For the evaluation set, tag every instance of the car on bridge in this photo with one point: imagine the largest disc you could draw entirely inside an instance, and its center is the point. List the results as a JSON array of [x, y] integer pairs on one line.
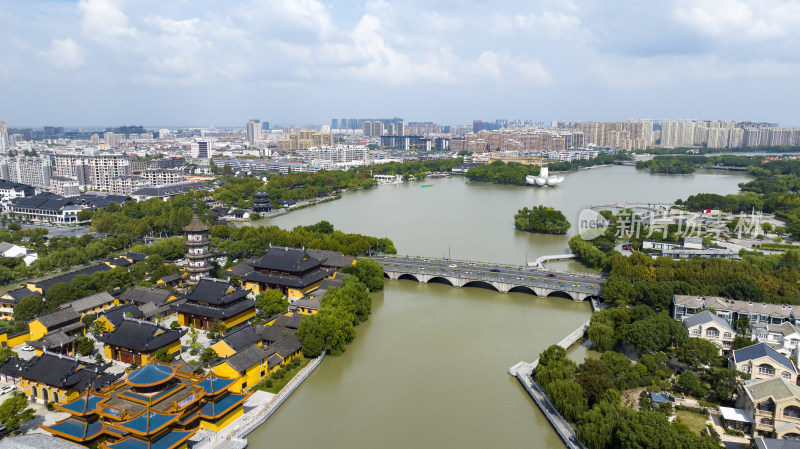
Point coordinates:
[[551, 275], [452, 265], [494, 270]]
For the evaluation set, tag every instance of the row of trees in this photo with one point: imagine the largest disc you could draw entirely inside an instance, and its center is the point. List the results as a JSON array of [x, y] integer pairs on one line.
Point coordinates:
[[541, 219], [333, 328], [686, 164], [499, 172], [246, 241]]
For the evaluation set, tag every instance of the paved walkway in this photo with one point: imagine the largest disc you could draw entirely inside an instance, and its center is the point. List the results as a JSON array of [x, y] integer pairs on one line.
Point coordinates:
[[558, 422]]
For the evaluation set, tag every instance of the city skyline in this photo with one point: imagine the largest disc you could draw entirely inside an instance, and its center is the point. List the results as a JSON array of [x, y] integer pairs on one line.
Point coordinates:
[[95, 62]]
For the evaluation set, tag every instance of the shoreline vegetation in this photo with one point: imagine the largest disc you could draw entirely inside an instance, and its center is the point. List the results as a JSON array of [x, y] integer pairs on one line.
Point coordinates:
[[514, 173]]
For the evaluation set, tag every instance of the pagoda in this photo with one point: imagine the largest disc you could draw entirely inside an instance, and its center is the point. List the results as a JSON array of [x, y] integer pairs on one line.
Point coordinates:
[[198, 257], [261, 202]]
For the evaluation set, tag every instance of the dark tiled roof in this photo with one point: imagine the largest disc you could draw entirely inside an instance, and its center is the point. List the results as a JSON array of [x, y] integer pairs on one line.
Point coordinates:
[[291, 322], [50, 369], [141, 295], [289, 281], [705, 317], [241, 338], [116, 315], [193, 308], [170, 278], [273, 361], [18, 294], [286, 347], [211, 290], [42, 203], [196, 225], [331, 258], [47, 283], [244, 359], [762, 350], [136, 257], [141, 336], [58, 317], [281, 258], [90, 302], [273, 333]]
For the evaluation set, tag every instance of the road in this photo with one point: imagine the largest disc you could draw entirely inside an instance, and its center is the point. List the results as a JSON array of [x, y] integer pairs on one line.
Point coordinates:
[[494, 272]]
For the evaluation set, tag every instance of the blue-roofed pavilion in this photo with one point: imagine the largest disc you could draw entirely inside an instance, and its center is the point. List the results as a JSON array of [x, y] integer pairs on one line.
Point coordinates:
[[213, 385], [213, 410], [84, 404], [148, 422], [151, 375], [76, 429], [169, 440]]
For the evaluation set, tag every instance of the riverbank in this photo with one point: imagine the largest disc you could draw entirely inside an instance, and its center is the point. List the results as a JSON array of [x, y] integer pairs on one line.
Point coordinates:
[[262, 405]]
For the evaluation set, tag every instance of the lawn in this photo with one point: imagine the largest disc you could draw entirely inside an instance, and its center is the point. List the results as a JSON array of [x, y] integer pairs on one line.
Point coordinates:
[[277, 385], [694, 420]]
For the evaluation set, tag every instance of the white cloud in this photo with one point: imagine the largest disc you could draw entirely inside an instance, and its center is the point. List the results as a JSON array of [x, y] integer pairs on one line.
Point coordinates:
[[104, 21], [64, 54], [737, 20], [549, 25]]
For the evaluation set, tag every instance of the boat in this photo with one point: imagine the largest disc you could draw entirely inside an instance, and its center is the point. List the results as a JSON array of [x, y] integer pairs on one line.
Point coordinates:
[[428, 185], [544, 179]]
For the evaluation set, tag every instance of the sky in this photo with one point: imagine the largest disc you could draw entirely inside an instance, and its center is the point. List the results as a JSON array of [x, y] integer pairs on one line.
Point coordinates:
[[293, 62]]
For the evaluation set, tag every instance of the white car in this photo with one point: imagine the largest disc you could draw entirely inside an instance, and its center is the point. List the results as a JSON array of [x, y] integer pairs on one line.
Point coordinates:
[[452, 265], [27, 348], [6, 389]]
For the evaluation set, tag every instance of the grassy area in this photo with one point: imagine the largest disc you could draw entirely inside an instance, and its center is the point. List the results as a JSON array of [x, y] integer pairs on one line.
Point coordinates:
[[694, 420], [273, 384]]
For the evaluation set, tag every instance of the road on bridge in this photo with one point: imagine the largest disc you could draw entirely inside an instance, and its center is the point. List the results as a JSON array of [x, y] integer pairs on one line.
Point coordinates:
[[501, 273]]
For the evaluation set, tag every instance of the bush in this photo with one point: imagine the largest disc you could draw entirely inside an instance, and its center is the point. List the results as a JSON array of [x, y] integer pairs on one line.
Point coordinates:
[[174, 325], [49, 406], [268, 383]]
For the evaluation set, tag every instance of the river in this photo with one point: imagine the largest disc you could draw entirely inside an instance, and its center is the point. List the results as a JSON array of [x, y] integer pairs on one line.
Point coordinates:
[[430, 367]]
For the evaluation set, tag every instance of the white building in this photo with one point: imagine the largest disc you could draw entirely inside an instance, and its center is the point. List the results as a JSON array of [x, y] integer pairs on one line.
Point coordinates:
[[34, 171]]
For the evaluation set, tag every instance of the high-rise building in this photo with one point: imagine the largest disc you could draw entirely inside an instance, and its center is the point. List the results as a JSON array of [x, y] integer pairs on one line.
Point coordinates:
[[202, 150], [477, 125], [32, 170], [367, 128], [377, 129], [400, 129], [97, 171], [253, 131], [3, 137]]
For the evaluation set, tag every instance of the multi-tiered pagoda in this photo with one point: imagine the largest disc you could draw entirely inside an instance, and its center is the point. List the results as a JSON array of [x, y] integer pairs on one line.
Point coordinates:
[[198, 257]]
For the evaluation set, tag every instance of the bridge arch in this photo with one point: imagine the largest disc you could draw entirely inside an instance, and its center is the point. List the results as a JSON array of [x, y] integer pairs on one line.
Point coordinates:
[[561, 294], [408, 276], [440, 280], [481, 284], [523, 289], [386, 275]]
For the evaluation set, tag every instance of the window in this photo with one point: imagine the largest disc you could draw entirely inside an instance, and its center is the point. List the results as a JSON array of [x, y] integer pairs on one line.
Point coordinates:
[[766, 370], [695, 331], [791, 412], [766, 421], [767, 406], [727, 344], [746, 369], [727, 335], [244, 385], [712, 332], [786, 375]]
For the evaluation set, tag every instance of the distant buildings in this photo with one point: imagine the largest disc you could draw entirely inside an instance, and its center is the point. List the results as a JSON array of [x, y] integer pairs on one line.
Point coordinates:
[[253, 132], [303, 139], [35, 171]]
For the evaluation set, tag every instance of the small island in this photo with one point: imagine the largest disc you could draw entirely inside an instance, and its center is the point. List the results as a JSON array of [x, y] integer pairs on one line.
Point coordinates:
[[541, 219]]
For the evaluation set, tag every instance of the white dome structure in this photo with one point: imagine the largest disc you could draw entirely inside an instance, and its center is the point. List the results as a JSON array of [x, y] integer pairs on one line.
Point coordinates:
[[544, 179]]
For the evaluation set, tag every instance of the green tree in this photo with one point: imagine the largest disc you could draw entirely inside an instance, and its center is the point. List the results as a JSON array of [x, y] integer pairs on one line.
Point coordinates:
[[88, 319], [272, 302], [723, 381], [541, 219], [28, 308], [689, 383], [163, 356], [602, 336], [369, 272], [14, 411], [6, 353], [698, 352], [60, 293], [567, 397], [208, 356], [84, 345], [655, 333]]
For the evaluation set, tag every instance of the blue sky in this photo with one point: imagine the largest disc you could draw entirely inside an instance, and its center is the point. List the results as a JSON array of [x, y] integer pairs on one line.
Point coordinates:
[[198, 62]]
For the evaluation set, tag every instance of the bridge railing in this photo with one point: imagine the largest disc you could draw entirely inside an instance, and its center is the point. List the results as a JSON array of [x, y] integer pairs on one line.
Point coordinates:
[[521, 268]]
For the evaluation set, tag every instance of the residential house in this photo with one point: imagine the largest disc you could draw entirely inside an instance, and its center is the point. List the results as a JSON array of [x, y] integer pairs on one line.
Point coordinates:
[[709, 326], [65, 320], [114, 316], [784, 337], [732, 310], [287, 349], [762, 362], [92, 304], [12, 250], [774, 405]]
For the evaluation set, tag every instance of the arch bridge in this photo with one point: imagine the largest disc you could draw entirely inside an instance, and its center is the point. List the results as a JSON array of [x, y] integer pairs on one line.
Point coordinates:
[[498, 277]]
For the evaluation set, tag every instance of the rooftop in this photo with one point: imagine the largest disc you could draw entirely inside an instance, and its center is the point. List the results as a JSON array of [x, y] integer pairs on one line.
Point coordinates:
[[759, 350]]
